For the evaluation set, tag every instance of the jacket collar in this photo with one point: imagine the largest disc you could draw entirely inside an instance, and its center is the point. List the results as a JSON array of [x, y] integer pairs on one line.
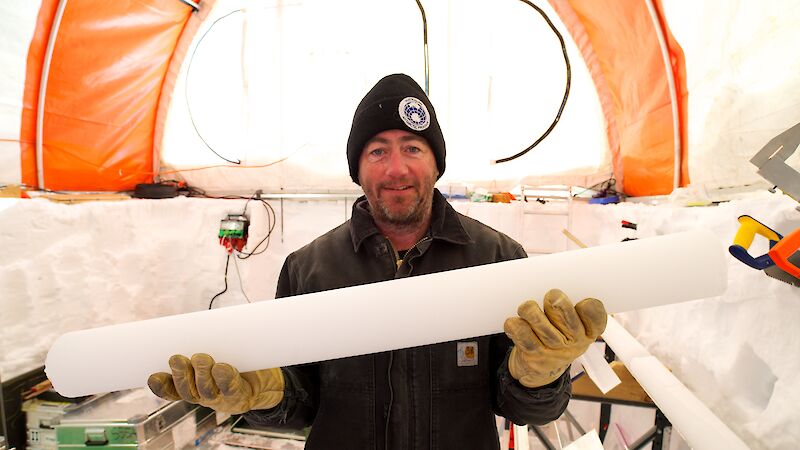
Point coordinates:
[[445, 223]]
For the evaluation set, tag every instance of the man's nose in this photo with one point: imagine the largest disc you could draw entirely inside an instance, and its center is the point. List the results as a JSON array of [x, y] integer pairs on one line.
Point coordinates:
[[396, 164]]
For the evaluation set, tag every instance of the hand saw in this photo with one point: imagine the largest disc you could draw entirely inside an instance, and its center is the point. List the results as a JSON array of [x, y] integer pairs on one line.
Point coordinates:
[[782, 260]]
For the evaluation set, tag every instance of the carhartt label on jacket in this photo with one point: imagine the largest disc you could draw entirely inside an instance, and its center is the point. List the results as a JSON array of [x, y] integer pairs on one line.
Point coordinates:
[[467, 354]]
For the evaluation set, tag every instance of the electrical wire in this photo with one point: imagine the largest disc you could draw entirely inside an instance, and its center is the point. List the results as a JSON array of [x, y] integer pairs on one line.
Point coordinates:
[[239, 276], [566, 90], [227, 261], [425, 47], [253, 166], [257, 166], [271, 221], [195, 7], [606, 187], [186, 87]]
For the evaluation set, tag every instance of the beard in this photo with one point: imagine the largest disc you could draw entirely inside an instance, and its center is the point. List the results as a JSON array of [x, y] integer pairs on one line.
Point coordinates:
[[396, 213], [403, 211]]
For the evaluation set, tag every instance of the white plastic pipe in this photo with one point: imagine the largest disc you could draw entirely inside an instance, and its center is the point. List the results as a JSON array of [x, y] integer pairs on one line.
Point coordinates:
[[701, 429], [390, 315]]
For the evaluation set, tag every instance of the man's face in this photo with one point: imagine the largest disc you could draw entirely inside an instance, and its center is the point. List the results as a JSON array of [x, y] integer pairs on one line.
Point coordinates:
[[397, 171]]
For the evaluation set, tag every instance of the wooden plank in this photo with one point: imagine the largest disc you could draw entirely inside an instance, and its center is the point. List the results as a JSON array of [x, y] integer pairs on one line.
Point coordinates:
[[80, 198], [10, 191], [628, 390]]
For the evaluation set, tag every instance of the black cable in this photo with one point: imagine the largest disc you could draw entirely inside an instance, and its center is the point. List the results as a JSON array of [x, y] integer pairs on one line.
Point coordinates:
[[425, 46], [227, 261], [606, 186], [566, 90], [194, 192], [271, 221], [271, 216], [195, 7], [186, 87], [197, 192], [191, 191]]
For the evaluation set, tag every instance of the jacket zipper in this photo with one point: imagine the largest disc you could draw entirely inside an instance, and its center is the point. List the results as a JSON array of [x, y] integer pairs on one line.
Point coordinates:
[[399, 261]]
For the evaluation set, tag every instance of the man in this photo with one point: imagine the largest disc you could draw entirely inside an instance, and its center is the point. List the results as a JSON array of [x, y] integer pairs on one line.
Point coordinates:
[[441, 396]]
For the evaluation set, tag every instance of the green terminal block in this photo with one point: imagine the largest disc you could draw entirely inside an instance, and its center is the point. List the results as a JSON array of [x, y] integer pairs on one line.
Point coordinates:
[[234, 226]]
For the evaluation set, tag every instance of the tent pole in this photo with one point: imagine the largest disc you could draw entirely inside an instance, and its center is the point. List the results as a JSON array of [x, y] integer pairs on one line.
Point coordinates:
[[425, 47], [48, 57], [673, 96], [195, 6]]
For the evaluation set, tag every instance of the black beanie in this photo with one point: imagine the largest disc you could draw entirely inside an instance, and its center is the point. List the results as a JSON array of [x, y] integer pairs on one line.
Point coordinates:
[[396, 102]]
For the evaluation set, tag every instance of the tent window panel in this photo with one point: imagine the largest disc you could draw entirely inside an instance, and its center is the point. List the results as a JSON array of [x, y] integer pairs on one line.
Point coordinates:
[[271, 82], [282, 79], [507, 79]]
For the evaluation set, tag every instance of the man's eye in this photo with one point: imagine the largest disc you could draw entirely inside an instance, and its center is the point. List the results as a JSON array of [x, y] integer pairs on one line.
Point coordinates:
[[413, 149], [377, 152]]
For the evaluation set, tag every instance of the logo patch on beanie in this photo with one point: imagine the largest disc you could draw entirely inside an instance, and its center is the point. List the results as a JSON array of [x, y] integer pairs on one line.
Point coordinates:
[[414, 114]]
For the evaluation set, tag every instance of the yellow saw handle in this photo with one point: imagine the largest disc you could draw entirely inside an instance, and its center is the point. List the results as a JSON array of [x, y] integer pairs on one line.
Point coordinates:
[[748, 228]]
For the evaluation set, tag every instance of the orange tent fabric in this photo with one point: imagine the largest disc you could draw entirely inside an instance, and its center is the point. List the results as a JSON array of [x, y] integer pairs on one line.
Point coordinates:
[[110, 65], [105, 79], [32, 79], [620, 44]]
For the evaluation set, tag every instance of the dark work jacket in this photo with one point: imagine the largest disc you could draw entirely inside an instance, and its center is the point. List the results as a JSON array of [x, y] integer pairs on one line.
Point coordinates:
[[416, 398]]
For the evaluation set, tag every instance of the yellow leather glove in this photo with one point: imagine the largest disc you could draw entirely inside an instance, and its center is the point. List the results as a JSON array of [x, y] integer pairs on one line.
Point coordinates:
[[546, 343], [218, 385]]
